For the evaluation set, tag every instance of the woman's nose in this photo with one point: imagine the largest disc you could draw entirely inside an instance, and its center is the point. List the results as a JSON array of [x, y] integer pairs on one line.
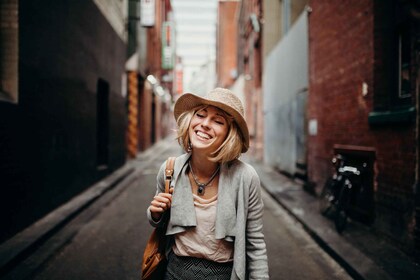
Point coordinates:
[[205, 122]]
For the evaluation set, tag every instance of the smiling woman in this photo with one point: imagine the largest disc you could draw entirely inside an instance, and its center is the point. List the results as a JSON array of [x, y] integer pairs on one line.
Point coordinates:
[[208, 129], [215, 222]]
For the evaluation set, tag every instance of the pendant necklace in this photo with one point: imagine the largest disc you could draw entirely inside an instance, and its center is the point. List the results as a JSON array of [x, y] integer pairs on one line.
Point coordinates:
[[202, 186]]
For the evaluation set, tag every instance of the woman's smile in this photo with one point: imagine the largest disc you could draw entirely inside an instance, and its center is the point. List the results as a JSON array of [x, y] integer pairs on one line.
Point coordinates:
[[203, 135]]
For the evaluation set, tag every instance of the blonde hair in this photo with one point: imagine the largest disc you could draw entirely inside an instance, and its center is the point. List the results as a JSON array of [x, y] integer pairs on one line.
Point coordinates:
[[229, 150]]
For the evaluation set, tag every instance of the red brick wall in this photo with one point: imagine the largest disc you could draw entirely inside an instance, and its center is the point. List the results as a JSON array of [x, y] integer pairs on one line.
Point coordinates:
[[250, 65], [340, 59], [226, 43], [342, 56], [158, 119], [145, 115]]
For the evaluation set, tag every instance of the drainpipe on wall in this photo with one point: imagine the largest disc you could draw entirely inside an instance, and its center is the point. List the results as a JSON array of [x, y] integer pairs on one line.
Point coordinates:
[[417, 183]]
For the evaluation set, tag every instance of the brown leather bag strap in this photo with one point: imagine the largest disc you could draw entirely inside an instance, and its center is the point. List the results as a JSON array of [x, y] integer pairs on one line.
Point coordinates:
[[169, 171]]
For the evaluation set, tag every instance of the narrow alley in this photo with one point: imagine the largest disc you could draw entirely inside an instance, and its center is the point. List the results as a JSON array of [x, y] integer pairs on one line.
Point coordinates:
[[107, 239], [324, 99]]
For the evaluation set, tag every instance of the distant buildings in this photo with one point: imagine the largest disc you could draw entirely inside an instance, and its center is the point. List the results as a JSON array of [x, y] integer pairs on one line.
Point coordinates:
[[195, 32]]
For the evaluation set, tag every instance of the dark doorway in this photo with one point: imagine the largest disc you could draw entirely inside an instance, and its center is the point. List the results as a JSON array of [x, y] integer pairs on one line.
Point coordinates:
[[362, 204], [102, 123]]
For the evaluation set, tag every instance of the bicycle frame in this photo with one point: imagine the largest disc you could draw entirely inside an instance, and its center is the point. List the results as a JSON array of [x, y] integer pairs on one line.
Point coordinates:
[[338, 190]]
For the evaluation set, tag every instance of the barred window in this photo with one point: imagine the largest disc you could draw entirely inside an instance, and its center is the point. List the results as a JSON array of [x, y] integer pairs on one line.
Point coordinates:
[[404, 62], [395, 67]]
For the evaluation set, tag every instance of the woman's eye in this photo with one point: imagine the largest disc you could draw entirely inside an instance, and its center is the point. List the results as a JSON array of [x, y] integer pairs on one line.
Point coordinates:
[[220, 122], [200, 115]]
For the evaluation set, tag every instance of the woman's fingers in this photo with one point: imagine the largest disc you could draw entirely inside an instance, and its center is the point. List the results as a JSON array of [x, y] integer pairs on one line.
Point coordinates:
[[161, 202], [158, 204], [164, 197]]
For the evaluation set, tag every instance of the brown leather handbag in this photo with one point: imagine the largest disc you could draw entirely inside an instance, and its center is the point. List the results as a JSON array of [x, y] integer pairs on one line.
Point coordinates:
[[154, 261]]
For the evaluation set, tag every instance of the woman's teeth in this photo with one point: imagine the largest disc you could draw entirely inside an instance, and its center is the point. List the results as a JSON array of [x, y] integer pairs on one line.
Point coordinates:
[[203, 135]]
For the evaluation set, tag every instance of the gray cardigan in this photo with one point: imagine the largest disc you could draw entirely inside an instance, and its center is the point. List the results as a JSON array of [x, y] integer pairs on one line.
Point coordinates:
[[238, 218]]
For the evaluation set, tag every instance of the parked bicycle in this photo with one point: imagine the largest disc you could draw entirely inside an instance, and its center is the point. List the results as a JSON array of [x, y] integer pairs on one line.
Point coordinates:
[[340, 190]]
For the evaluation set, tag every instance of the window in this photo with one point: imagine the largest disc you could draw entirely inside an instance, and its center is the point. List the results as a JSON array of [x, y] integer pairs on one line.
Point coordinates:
[[404, 62], [395, 68], [9, 51]]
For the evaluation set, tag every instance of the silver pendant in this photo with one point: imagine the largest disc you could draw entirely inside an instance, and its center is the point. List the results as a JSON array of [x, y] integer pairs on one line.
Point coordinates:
[[200, 189]]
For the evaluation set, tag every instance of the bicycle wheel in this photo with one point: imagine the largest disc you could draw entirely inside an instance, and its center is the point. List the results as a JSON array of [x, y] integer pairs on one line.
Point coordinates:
[[340, 216], [340, 220], [327, 197]]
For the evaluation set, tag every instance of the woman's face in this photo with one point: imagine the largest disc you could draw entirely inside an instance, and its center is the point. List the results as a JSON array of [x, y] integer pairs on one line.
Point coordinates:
[[208, 129]]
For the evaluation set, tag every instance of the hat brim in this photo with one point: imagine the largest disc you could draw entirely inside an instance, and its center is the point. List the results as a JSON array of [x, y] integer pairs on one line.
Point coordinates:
[[189, 101]]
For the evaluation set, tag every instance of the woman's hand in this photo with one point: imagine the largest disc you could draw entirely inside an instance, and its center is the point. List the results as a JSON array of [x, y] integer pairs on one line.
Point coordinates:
[[160, 203]]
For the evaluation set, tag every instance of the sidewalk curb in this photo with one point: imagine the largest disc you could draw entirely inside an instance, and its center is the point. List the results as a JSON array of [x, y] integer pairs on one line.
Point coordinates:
[[358, 265], [24, 243]]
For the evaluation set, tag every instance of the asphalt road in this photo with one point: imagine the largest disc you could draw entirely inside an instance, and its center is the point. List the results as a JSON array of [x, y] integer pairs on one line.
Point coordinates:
[[111, 234]]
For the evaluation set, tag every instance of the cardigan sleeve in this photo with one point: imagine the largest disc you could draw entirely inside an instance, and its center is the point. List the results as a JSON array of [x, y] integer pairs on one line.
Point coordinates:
[[256, 252], [160, 187]]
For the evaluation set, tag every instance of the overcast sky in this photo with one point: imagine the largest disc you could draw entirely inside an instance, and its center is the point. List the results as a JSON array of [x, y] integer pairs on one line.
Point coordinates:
[[196, 32]]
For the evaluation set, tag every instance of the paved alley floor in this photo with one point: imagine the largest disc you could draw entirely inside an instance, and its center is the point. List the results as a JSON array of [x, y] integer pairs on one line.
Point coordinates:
[[107, 239]]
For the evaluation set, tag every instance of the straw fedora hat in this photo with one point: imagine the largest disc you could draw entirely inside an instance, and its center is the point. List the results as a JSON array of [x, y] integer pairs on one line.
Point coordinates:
[[221, 98]]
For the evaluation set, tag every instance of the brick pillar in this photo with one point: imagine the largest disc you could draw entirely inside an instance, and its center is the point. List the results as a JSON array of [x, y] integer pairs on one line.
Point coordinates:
[[132, 130]]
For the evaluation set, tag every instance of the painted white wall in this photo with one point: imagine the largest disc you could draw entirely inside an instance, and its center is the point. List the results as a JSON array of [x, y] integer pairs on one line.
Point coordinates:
[[285, 83], [204, 79]]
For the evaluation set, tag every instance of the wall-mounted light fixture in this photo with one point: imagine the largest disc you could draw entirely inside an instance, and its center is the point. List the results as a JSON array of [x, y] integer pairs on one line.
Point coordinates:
[[151, 79], [255, 23]]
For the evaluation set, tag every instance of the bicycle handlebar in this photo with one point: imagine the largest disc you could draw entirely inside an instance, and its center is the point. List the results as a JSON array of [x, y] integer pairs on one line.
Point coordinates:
[[350, 169]]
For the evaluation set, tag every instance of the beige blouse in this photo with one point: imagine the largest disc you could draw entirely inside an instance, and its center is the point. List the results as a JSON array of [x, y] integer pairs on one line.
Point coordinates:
[[200, 241]]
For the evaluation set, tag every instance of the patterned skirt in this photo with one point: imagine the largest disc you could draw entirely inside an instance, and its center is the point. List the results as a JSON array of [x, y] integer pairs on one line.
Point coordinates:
[[189, 268]]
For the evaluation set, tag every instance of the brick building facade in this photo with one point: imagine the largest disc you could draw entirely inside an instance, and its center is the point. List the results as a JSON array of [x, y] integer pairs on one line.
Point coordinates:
[[250, 66], [62, 128], [151, 119], [363, 106], [227, 26]]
